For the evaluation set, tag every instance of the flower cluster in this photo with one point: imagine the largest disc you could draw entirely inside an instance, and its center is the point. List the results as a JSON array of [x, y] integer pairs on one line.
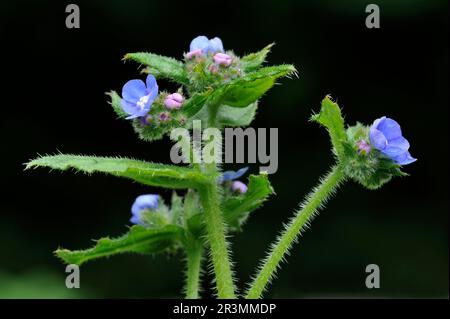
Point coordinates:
[[139, 99], [208, 63]]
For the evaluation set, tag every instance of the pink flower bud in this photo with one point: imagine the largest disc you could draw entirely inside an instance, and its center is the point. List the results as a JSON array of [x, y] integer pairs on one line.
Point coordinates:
[[238, 187], [146, 120], [363, 147], [195, 53], [223, 59], [164, 116], [174, 101], [213, 69]]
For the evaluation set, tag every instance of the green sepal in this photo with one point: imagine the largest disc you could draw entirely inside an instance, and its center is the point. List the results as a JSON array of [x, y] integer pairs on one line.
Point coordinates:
[[152, 174], [253, 61], [237, 208], [115, 103], [331, 118], [160, 66], [137, 240]]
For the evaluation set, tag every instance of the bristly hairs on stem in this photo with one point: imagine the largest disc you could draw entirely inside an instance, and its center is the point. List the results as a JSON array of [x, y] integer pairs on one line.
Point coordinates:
[[309, 208]]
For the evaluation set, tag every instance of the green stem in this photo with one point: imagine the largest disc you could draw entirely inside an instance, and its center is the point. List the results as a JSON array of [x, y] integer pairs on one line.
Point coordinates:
[[215, 228], [284, 242], [194, 250]]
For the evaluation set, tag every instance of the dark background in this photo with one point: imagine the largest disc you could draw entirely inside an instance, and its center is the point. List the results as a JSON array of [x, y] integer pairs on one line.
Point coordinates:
[[53, 99]]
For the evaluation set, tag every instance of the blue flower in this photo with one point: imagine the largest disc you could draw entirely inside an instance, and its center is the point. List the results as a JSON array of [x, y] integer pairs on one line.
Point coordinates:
[[232, 175], [138, 97], [141, 204], [386, 136], [201, 45]]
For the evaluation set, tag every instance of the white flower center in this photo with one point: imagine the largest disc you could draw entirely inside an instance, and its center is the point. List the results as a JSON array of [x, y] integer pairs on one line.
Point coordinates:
[[143, 101]]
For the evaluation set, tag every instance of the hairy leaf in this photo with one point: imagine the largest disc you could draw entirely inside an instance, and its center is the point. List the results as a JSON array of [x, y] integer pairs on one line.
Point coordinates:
[[253, 61], [330, 117], [143, 172], [228, 116], [236, 116], [160, 66], [137, 240], [245, 90], [237, 208]]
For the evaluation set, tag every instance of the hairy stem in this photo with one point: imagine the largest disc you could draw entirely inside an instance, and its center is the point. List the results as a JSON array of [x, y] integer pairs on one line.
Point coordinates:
[[280, 248], [215, 228], [194, 251]]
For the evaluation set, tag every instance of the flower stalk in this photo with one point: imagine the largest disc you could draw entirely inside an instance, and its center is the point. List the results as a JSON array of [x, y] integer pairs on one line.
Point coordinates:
[[308, 210], [194, 251]]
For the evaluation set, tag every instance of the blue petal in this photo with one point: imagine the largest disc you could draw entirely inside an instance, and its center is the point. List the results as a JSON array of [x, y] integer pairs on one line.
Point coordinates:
[[215, 45], [128, 107], [139, 113], [396, 147], [133, 90], [232, 175], [152, 88], [136, 220], [404, 159], [149, 201], [378, 121], [390, 128], [201, 42], [377, 139]]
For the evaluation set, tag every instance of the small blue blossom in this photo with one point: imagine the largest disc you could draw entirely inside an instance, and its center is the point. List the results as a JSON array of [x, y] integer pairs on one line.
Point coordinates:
[[138, 97], [141, 204], [386, 136], [201, 45], [232, 175]]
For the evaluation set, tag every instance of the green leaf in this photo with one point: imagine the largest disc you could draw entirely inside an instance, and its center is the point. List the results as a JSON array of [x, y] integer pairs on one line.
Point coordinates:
[[137, 240], [115, 103], [237, 208], [195, 103], [160, 66], [248, 89], [143, 172], [330, 117], [236, 116], [228, 116], [253, 61]]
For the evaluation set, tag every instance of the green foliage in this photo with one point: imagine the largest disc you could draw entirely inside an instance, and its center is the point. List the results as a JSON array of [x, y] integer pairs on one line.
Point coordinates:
[[237, 208], [137, 240], [247, 89], [228, 116], [330, 117], [253, 61], [160, 66], [152, 174], [115, 103]]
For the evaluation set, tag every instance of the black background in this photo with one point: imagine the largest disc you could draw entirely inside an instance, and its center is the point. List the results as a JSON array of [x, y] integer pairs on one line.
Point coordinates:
[[53, 99]]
